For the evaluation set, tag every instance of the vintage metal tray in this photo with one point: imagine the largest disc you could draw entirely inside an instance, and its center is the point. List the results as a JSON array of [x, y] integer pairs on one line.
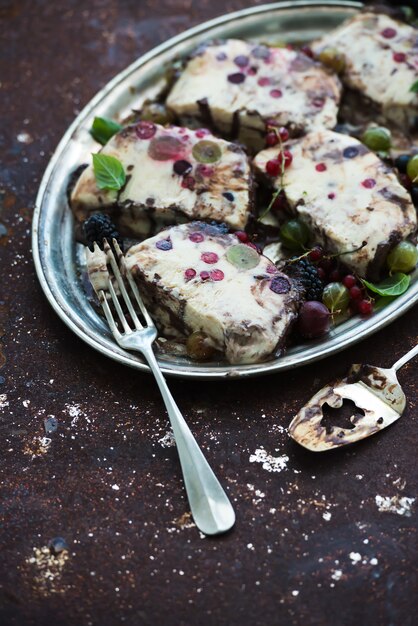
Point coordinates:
[[59, 261]]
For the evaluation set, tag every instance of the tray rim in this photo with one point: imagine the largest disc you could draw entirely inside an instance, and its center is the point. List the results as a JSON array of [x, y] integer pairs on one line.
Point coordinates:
[[368, 327]]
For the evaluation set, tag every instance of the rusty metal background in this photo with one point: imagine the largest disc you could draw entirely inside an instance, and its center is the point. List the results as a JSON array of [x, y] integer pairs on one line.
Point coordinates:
[[327, 539]]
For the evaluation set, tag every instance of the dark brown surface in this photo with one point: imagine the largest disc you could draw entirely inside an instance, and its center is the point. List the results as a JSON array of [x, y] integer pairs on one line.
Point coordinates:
[[310, 545]]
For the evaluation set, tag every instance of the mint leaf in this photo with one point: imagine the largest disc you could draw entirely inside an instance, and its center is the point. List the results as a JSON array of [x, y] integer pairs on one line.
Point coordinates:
[[382, 302], [109, 172], [414, 87], [392, 286], [103, 129]]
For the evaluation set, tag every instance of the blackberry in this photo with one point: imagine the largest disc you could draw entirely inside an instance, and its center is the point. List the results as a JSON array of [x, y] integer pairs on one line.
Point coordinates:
[[307, 274], [98, 227]]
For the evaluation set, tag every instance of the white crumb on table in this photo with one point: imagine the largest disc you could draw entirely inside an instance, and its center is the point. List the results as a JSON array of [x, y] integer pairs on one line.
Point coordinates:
[[395, 504], [269, 463]]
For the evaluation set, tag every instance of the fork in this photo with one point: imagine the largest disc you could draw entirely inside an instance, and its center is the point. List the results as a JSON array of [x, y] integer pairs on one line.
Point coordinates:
[[209, 504]]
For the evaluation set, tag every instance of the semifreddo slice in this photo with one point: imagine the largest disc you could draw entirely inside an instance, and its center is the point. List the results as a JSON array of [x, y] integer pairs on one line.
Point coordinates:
[[240, 88], [197, 277], [350, 200], [381, 63], [173, 175]]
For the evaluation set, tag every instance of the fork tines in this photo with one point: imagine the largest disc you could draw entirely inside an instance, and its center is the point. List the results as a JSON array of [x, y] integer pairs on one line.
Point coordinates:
[[120, 271]]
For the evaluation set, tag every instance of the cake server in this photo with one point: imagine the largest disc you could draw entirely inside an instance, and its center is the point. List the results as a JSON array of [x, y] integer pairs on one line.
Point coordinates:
[[374, 396], [211, 509]]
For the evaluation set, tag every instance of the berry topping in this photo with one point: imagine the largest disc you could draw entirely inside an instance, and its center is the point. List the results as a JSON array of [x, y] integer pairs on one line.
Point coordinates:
[[365, 307], [145, 130], [369, 183], [241, 60], [399, 57], [307, 50], [243, 256], [280, 284], [313, 319], [202, 132], [252, 71], [242, 236], [401, 162], [99, 227], [228, 196], [263, 81], [206, 151], [216, 275], [188, 182], [189, 274], [196, 237], [287, 156], [276, 93], [349, 281], [335, 275], [320, 167], [336, 297], [283, 133], [271, 269], [273, 168], [331, 195], [261, 52], [378, 138], [237, 78], [271, 139], [205, 275], [209, 257], [350, 152], [164, 244], [307, 275], [388, 33], [221, 56], [318, 102], [182, 167], [403, 257], [294, 234], [165, 148], [203, 171], [316, 253], [355, 292]]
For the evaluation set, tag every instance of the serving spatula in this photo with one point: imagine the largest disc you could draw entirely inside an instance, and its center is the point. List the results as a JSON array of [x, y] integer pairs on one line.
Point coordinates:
[[375, 396]]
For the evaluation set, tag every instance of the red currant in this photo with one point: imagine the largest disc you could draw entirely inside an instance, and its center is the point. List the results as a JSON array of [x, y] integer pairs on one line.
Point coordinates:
[[335, 276], [273, 167], [316, 253], [283, 133], [242, 236], [271, 139], [365, 307], [349, 281], [321, 273], [355, 293], [287, 156]]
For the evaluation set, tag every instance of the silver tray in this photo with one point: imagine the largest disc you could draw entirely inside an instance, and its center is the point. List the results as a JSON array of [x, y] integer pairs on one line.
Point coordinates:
[[59, 261]]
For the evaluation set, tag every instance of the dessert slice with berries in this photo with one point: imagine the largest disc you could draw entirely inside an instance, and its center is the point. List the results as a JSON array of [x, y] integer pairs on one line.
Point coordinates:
[[200, 281], [351, 202], [380, 63], [239, 89], [168, 175]]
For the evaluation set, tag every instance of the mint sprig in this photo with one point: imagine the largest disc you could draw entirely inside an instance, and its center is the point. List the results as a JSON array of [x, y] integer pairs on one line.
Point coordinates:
[[103, 129], [394, 285], [109, 172], [414, 87]]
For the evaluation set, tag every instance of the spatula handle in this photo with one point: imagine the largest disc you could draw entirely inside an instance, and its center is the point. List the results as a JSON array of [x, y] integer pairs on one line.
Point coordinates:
[[406, 357]]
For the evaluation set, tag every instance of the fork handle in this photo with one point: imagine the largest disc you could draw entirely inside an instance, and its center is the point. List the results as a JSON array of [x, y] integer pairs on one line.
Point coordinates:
[[209, 504], [405, 358]]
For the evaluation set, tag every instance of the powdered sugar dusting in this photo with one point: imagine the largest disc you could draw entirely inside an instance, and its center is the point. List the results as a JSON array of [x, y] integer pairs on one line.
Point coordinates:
[[395, 504], [168, 440], [269, 463]]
